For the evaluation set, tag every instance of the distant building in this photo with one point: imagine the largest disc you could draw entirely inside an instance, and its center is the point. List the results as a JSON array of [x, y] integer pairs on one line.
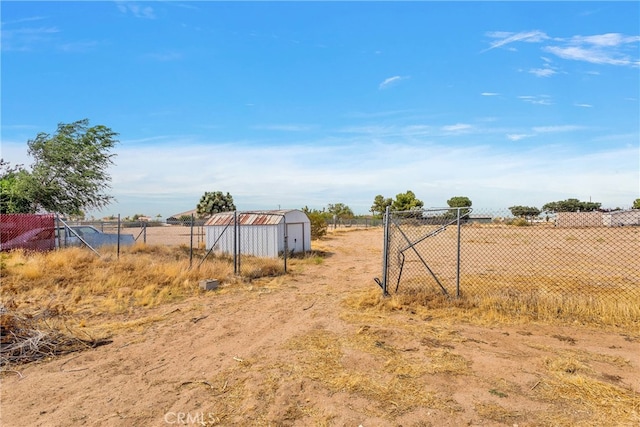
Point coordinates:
[[179, 218], [598, 219], [620, 218]]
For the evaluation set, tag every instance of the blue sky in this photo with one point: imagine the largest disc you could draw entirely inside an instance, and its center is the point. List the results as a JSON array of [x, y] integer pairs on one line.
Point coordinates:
[[287, 104]]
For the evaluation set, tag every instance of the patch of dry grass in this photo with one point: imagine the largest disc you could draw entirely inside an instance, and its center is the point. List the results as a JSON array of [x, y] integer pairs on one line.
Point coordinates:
[[516, 306], [392, 380], [88, 285], [602, 403]]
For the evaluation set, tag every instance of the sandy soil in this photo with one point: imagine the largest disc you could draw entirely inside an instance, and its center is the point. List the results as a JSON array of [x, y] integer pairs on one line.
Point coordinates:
[[290, 351]]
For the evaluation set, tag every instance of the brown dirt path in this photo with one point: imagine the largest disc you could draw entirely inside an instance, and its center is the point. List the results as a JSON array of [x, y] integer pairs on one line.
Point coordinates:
[[290, 351]]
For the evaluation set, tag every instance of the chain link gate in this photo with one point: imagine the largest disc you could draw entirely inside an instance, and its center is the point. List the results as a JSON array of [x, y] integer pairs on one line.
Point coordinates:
[[422, 250], [540, 262]]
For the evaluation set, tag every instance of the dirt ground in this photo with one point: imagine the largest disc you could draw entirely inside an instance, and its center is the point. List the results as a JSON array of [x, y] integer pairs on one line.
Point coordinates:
[[297, 351]]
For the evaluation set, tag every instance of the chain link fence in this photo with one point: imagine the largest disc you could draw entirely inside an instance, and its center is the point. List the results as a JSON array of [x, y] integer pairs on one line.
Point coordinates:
[[469, 252], [257, 243]]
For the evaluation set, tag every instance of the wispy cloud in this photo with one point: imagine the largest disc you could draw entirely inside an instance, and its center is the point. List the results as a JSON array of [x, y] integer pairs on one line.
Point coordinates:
[[504, 38], [21, 20], [136, 10], [489, 94], [543, 72], [264, 177], [76, 47], [609, 48], [536, 100], [593, 54], [560, 128], [26, 39], [517, 136], [391, 81], [457, 128], [583, 105]]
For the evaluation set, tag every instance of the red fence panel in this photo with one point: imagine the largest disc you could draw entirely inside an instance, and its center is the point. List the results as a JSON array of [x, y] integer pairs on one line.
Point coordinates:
[[27, 231]]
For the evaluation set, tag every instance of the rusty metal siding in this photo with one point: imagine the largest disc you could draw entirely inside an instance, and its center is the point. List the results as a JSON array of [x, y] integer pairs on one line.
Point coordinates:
[[260, 233]]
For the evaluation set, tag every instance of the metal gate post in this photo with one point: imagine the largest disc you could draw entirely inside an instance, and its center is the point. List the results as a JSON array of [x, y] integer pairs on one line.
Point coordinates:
[[190, 241], [286, 243], [235, 243], [118, 253], [385, 253], [458, 258]]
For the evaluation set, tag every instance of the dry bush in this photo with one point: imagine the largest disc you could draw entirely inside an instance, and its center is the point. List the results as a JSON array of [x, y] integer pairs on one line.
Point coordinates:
[[27, 338]]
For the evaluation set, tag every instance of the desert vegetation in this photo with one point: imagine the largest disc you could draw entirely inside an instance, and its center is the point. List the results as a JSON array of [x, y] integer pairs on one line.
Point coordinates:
[[317, 346]]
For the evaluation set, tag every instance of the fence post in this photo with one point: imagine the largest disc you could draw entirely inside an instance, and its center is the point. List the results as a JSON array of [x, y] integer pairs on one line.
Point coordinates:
[[118, 252], [458, 257], [385, 250], [286, 245], [56, 234], [235, 242], [191, 242]]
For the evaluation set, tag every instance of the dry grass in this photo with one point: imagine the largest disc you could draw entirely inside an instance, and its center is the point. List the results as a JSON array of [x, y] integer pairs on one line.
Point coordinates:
[[92, 289], [600, 403], [571, 382], [105, 289], [396, 383], [520, 305]]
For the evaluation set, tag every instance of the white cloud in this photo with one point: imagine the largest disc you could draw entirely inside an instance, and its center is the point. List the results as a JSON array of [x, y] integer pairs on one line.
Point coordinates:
[[542, 72], [26, 39], [391, 80], [605, 40], [136, 10], [457, 128], [489, 94], [505, 38], [610, 48], [583, 105], [315, 174], [560, 128], [517, 136], [536, 100], [594, 56]]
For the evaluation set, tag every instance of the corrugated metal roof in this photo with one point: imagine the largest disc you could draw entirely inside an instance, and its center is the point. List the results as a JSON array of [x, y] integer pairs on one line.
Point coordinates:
[[248, 218]]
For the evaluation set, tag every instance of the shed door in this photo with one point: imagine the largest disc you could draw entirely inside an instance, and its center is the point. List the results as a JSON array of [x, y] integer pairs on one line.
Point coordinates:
[[295, 237]]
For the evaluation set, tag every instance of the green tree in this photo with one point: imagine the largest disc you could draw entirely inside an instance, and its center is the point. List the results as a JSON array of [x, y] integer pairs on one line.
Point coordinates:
[[213, 202], [571, 205], [527, 212], [636, 204], [460, 202], [69, 173], [406, 202], [318, 221], [340, 210], [380, 204], [13, 198]]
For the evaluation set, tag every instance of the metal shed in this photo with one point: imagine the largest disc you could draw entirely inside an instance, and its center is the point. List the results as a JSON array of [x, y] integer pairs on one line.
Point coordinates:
[[259, 233]]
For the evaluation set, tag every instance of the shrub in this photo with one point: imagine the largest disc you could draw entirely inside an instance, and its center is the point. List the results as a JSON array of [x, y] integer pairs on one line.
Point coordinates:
[[318, 225]]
